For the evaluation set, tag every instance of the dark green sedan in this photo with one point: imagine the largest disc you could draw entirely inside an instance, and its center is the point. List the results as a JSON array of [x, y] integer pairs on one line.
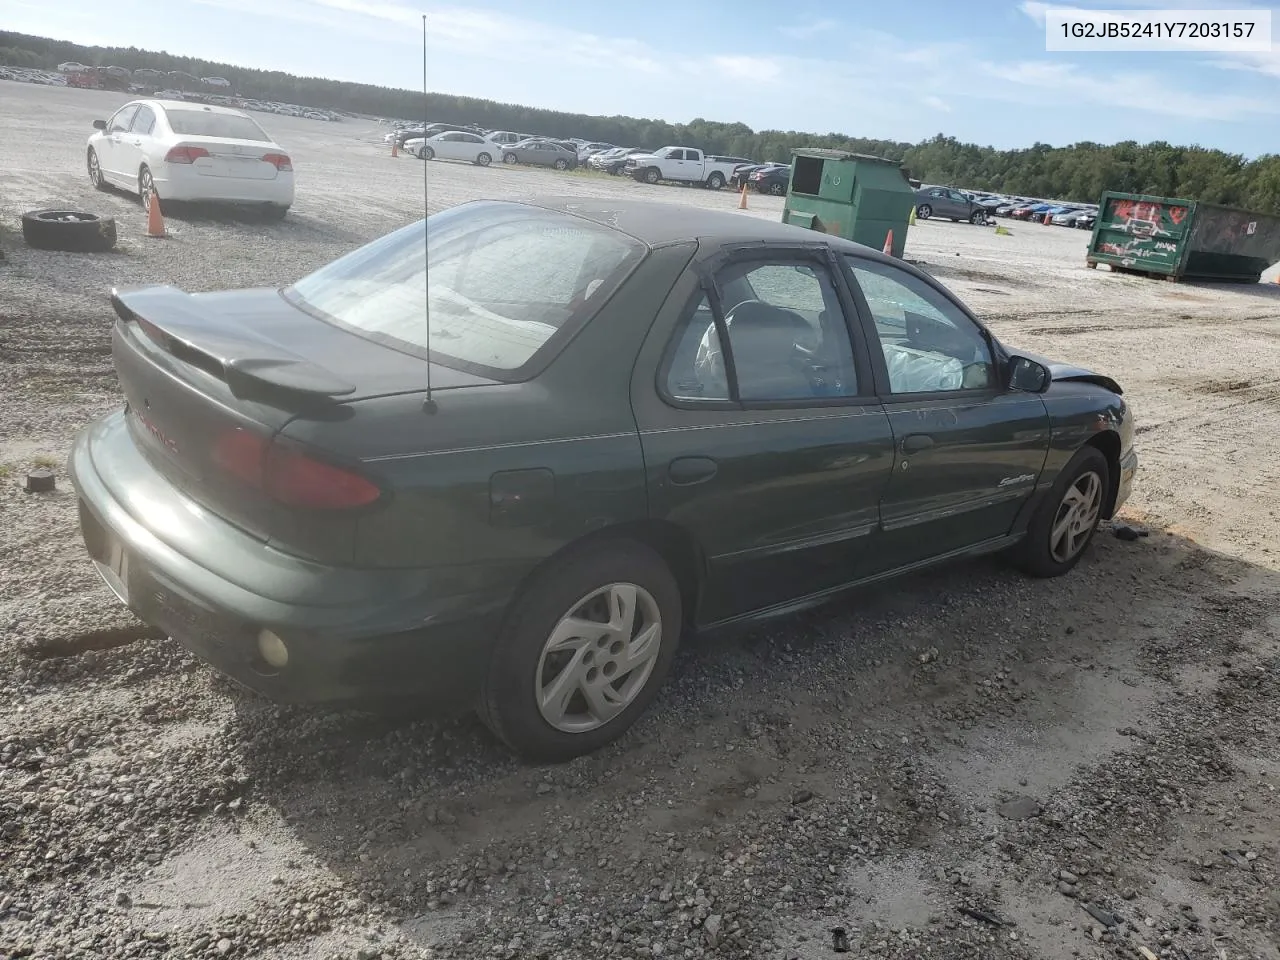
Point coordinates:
[[598, 427]]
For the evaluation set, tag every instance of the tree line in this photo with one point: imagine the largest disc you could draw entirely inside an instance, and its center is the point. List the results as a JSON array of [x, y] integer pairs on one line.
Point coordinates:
[[1079, 172]]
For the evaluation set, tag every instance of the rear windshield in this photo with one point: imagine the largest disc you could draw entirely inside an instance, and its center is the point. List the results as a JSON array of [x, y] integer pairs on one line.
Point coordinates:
[[201, 123], [504, 280]]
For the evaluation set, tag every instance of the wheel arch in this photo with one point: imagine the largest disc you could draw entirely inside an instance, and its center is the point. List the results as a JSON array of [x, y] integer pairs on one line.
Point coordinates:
[[675, 545], [1108, 442]]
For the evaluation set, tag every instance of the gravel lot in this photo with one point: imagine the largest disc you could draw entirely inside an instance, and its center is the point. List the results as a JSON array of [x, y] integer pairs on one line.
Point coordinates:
[[1088, 766]]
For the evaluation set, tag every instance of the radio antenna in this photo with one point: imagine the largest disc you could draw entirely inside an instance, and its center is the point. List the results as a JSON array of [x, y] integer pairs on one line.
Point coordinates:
[[428, 405]]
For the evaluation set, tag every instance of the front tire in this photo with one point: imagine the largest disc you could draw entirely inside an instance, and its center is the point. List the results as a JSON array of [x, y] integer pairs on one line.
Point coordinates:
[[1066, 521], [426, 153], [509, 159], [583, 652], [484, 159], [924, 211], [978, 218], [652, 175], [95, 170], [777, 189], [562, 164]]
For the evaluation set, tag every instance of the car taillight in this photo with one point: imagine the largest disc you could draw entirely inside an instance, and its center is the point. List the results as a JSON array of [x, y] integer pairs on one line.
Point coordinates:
[[185, 154], [288, 475], [279, 161]]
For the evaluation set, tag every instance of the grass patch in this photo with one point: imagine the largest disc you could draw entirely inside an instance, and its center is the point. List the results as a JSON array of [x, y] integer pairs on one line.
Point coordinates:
[[6, 471], [46, 461]]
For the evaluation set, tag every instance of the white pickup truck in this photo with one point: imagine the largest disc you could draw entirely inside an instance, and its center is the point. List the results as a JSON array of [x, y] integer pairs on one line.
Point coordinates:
[[684, 165]]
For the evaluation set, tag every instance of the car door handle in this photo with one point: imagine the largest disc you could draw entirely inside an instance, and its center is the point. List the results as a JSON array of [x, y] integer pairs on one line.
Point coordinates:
[[686, 470], [915, 442]]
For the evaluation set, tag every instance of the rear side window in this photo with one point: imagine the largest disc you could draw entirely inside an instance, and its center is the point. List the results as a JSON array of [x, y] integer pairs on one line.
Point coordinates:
[[145, 121], [507, 283], [203, 123]]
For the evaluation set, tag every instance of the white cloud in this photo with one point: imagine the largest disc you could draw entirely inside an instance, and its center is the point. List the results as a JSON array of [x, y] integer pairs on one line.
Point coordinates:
[[748, 68], [936, 103], [807, 31]]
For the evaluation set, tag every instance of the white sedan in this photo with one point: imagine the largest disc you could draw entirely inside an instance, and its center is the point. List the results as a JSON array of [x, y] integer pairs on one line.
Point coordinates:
[[190, 151], [456, 145]]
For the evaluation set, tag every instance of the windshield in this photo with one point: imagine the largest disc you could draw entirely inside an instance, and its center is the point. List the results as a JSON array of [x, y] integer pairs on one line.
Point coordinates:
[[202, 123], [504, 279]]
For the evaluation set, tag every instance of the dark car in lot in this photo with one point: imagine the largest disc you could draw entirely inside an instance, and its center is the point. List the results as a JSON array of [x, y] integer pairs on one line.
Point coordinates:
[[934, 201], [597, 428], [771, 179], [542, 153]]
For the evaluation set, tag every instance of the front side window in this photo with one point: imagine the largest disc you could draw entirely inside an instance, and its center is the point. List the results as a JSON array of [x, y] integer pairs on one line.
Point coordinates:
[[504, 279], [928, 343], [206, 123], [123, 117], [787, 338]]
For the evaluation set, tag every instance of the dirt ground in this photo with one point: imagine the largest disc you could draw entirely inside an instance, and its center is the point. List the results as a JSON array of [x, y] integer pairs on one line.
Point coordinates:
[[967, 765]]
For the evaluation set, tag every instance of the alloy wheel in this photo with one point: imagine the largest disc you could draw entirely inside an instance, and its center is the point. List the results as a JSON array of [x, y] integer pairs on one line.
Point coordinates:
[[1076, 517], [598, 658]]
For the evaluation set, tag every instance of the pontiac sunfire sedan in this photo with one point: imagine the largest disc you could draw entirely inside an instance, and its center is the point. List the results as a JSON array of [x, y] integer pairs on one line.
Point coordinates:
[[642, 420]]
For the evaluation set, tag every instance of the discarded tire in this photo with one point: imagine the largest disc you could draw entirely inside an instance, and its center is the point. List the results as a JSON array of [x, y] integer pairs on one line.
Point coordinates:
[[69, 230]]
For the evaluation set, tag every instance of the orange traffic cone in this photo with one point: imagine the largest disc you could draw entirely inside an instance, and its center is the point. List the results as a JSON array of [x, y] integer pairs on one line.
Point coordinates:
[[888, 245], [395, 149], [155, 220], [742, 201]]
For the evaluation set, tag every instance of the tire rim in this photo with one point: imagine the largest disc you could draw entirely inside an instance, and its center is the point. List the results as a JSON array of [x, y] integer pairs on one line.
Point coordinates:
[[651, 176], [561, 164], [148, 187], [925, 212], [777, 189], [1076, 517], [95, 171], [598, 658], [484, 159], [509, 158]]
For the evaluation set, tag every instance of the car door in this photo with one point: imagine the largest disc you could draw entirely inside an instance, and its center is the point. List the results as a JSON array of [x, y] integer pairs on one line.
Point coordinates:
[[969, 453], [134, 145], [960, 204], [110, 156], [761, 434]]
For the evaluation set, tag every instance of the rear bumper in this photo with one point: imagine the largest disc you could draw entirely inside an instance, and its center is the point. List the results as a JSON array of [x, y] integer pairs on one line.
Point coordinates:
[[181, 182], [353, 635]]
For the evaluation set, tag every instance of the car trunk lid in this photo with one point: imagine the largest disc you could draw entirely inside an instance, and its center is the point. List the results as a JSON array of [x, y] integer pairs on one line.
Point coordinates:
[[223, 157], [209, 383]]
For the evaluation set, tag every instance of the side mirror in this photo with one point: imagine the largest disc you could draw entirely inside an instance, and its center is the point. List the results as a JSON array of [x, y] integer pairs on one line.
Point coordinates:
[[99, 124], [1027, 376]]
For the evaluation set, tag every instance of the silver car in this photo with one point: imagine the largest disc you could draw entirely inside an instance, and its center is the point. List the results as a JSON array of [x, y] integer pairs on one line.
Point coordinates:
[[934, 201]]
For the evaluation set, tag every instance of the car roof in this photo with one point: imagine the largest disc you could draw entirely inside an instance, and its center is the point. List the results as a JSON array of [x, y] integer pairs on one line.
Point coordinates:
[[657, 223], [191, 105]]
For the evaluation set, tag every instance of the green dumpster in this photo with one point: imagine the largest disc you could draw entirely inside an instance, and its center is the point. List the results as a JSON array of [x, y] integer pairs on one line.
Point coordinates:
[[1176, 239], [850, 195]]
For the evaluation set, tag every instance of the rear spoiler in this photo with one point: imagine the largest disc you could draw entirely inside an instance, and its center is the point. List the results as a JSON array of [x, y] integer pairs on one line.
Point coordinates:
[[222, 347]]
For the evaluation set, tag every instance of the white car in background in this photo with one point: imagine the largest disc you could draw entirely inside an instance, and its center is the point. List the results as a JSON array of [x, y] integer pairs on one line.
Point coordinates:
[[456, 145], [190, 151]]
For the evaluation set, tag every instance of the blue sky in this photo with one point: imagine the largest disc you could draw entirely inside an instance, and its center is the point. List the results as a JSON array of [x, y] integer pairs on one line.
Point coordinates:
[[973, 69]]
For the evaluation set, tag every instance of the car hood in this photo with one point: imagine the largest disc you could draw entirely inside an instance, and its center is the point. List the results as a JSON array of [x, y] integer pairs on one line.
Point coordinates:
[[1067, 372]]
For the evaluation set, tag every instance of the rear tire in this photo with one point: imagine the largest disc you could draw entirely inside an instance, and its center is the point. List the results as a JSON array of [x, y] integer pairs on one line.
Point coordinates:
[[562, 164], [715, 181], [484, 159], [146, 188], [528, 663], [1065, 522], [509, 159], [274, 212]]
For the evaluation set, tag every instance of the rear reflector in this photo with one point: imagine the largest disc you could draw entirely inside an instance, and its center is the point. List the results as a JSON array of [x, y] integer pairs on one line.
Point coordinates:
[[279, 161], [288, 475], [184, 153]]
